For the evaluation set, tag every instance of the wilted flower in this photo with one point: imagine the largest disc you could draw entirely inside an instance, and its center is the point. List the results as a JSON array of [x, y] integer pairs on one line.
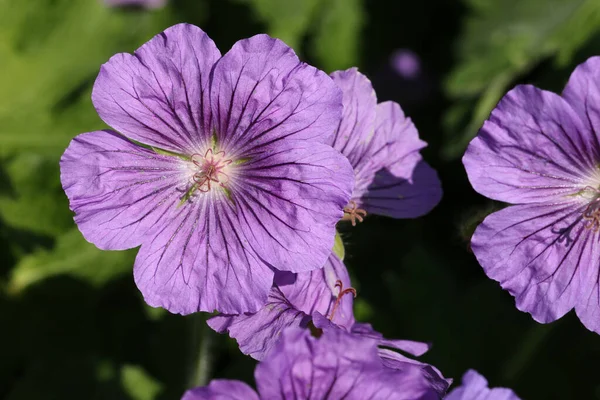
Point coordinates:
[[541, 152], [475, 387], [221, 176], [302, 300], [383, 147], [336, 365]]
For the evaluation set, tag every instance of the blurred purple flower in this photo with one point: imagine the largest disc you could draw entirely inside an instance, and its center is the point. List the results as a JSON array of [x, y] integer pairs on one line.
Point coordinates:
[[301, 300], [475, 387], [383, 147], [138, 3], [336, 365], [406, 63], [221, 176], [541, 151]]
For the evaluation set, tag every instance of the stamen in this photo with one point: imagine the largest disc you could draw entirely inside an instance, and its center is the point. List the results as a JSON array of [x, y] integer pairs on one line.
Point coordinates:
[[353, 213], [339, 284], [592, 215], [211, 169]]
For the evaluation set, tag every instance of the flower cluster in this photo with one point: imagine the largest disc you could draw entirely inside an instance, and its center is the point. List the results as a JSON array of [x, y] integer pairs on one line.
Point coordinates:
[[232, 171]]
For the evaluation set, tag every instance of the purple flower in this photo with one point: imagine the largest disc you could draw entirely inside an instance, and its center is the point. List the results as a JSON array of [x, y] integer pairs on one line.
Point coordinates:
[[140, 3], [406, 63], [336, 365], [302, 300], [474, 387], [541, 152], [383, 147], [221, 176]]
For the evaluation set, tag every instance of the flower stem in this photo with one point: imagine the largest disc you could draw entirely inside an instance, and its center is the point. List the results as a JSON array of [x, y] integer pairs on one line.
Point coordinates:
[[201, 346]]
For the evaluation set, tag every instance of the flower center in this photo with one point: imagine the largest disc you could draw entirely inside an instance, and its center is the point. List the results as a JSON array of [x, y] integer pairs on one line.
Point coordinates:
[[339, 284], [211, 170]]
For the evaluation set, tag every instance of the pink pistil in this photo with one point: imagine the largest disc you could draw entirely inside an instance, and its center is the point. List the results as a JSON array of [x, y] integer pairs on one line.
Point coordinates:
[[339, 284]]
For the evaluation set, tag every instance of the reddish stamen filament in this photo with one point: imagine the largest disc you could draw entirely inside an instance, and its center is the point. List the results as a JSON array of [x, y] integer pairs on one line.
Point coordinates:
[[353, 213], [339, 284]]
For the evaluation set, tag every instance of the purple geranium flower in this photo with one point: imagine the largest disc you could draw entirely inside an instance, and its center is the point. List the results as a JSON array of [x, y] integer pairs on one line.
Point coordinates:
[[221, 176], [541, 152], [302, 300], [383, 147], [336, 365], [139, 3], [475, 387]]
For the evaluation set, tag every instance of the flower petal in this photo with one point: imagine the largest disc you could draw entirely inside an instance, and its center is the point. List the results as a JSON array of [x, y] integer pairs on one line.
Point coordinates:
[[290, 197], [475, 387], [540, 253], [119, 191], [200, 261], [533, 148], [356, 130], [582, 93], [159, 95], [262, 93], [588, 306], [336, 365], [222, 389], [412, 190], [291, 303]]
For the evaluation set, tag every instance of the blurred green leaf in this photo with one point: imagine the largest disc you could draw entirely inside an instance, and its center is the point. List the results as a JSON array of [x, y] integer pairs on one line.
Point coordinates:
[[35, 201], [287, 20], [74, 256], [47, 68], [501, 41], [138, 384], [336, 41]]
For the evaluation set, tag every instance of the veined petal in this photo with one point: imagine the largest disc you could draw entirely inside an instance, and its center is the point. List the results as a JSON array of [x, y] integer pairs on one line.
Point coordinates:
[[588, 306], [289, 198], [542, 254], [336, 365], [222, 389], [262, 93], [292, 301], [119, 191], [475, 387], [159, 95], [582, 93], [202, 262], [356, 131], [412, 190], [533, 148]]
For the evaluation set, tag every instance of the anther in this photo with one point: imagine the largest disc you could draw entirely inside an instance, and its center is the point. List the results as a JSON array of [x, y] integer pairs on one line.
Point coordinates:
[[353, 213], [342, 292]]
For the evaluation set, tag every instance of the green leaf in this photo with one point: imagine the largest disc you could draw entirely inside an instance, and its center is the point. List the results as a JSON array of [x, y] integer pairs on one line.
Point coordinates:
[[35, 201], [138, 384], [287, 20], [73, 256], [48, 69], [336, 43], [502, 41]]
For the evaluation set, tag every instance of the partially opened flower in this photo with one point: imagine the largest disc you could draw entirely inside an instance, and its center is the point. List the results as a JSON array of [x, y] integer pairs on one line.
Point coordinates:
[[303, 300], [219, 171], [475, 387], [336, 365], [383, 147], [541, 151]]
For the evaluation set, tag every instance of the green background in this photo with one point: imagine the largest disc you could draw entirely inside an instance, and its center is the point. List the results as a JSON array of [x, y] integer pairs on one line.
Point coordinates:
[[74, 326]]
